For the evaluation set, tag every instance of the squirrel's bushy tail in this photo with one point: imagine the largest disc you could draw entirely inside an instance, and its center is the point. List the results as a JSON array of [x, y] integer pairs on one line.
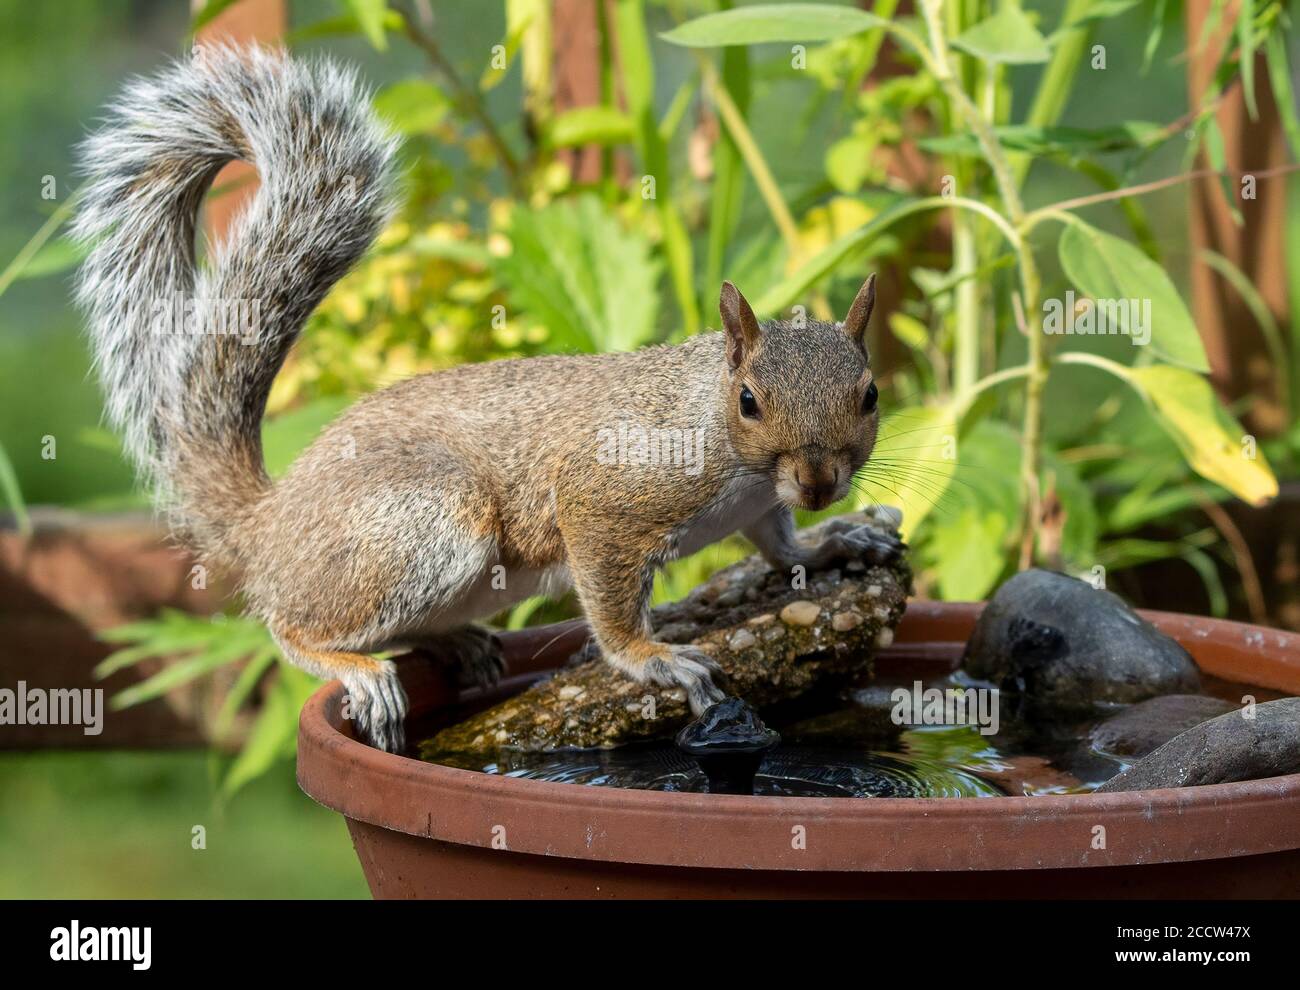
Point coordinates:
[[187, 354]]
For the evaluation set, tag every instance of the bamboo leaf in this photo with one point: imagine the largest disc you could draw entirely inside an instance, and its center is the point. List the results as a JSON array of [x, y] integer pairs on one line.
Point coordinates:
[[762, 23], [590, 125]]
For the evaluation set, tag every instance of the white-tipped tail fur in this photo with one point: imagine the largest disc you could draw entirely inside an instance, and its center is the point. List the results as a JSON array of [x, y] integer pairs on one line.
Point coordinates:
[[186, 354]]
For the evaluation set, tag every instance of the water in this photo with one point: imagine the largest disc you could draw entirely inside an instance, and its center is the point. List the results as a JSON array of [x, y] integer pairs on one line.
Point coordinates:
[[853, 749]]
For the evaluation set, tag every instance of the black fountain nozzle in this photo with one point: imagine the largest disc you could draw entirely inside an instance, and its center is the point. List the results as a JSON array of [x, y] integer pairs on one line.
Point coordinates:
[[728, 741]]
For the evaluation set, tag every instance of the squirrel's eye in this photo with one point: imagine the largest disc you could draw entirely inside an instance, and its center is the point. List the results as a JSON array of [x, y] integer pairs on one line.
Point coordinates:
[[748, 404], [869, 400]]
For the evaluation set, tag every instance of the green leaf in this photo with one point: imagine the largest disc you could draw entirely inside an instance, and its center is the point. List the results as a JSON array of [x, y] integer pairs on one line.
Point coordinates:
[[790, 288], [1157, 33], [909, 330], [848, 162], [968, 542], [516, 28], [1246, 54], [1099, 11], [1279, 77], [180, 672], [13, 493], [340, 25], [243, 688], [413, 106], [57, 256], [272, 731], [1008, 37], [371, 16], [1106, 267], [590, 125], [970, 546], [774, 22], [575, 269], [208, 13]]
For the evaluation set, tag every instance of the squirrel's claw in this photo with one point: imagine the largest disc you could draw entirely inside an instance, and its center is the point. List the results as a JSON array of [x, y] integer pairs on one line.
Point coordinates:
[[870, 545], [379, 707], [690, 669]]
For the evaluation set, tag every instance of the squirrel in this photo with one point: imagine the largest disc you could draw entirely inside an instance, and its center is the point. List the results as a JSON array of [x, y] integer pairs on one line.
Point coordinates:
[[449, 496]]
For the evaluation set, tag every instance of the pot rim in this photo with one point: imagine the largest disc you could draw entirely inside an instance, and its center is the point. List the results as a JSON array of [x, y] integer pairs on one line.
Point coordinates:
[[880, 834]]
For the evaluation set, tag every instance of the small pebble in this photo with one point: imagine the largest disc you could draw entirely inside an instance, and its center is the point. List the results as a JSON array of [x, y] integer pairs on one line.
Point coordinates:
[[844, 621], [800, 613], [571, 691], [762, 620], [884, 637], [742, 639]]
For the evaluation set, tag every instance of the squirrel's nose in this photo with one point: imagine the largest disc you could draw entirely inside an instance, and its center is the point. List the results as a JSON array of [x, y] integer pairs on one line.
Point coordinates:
[[816, 485]]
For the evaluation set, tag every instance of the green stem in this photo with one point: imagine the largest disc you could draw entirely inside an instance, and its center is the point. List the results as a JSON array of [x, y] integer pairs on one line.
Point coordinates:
[[748, 148], [1008, 190], [38, 239], [468, 99], [966, 350], [980, 127], [964, 400], [1058, 77]]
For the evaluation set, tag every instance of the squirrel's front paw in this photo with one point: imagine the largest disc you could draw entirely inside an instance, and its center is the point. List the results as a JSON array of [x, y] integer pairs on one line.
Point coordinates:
[[867, 544], [675, 665]]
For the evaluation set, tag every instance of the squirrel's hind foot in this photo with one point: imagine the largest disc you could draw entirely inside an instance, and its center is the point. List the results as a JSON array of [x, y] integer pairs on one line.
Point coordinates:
[[475, 651], [377, 702]]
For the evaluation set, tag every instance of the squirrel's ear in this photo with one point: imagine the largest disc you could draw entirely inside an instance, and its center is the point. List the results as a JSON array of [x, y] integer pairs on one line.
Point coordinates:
[[739, 323], [855, 324]]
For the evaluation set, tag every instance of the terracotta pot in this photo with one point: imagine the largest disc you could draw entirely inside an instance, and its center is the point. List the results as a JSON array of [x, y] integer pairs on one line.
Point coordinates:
[[423, 830]]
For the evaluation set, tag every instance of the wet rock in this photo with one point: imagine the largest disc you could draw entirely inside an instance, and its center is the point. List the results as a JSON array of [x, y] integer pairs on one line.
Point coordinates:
[[588, 704], [1148, 725], [1064, 645], [1230, 747]]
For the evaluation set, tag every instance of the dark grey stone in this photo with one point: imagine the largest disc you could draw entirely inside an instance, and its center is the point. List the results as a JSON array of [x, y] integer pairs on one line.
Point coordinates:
[[1062, 644], [1148, 725], [1230, 747]]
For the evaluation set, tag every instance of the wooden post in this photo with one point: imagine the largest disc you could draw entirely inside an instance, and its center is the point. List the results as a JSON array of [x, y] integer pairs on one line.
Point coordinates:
[[1241, 366]]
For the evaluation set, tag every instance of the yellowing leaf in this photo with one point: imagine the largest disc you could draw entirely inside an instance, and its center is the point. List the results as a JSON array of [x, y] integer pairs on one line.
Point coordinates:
[[914, 460], [1214, 443]]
